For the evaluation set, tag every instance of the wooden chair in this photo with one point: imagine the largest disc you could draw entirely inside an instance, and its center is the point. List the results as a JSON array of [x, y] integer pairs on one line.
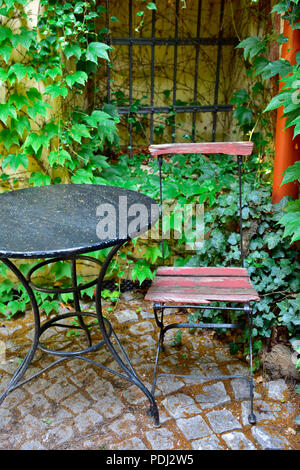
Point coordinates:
[[190, 287]]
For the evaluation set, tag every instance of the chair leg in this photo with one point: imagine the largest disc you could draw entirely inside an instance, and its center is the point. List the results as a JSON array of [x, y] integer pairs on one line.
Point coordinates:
[[160, 324], [160, 345], [251, 417]]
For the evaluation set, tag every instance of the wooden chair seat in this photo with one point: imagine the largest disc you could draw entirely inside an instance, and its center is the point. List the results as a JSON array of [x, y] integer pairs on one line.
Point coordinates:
[[191, 285]]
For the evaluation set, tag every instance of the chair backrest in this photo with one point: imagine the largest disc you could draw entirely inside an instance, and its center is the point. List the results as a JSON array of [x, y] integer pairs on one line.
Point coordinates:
[[239, 149]]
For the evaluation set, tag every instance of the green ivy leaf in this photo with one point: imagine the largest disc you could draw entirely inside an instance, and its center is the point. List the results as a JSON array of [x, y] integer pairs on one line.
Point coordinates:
[[54, 72], [9, 138], [56, 90], [97, 50], [39, 107], [78, 131], [20, 124], [5, 33], [36, 141], [59, 156], [292, 173], [252, 46], [39, 179], [83, 176], [243, 115], [20, 71], [6, 52], [72, 50], [141, 271], [77, 77], [151, 6], [26, 37], [15, 160], [7, 110], [33, 94], [18, 100], [152, 253]]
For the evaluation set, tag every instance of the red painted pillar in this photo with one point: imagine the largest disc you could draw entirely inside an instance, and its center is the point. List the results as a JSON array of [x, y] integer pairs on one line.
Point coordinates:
[[287, 150]]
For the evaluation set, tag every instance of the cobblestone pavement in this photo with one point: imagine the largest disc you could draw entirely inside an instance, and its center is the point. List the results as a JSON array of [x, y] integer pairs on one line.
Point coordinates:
[[76, 405]]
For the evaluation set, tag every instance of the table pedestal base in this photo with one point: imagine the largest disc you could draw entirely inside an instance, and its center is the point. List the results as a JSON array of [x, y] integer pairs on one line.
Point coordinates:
[[105, 327]]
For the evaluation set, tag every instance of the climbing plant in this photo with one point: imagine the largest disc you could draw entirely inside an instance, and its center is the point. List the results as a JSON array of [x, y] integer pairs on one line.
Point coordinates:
[[256, 53], [50, 129]]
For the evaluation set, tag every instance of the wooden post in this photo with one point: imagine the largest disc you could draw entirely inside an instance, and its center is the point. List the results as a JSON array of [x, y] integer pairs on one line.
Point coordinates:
[[287, 150]]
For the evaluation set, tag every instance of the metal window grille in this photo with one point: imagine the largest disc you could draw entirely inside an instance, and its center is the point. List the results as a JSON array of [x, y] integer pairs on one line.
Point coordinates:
[[193, 109]]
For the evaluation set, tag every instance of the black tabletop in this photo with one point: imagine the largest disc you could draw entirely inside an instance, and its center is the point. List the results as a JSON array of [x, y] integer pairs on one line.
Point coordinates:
[[68, 219]]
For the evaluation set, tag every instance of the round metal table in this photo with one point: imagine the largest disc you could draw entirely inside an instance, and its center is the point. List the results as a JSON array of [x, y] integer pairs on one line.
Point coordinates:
[[65, 222]]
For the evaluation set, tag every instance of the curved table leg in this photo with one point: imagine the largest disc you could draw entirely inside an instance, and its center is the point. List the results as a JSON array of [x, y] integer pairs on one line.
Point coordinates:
[[29, 356], [130, 374], [76, 301]]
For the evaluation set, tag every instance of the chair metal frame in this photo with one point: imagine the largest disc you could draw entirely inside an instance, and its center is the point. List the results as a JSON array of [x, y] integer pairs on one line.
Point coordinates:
[[231, 148]]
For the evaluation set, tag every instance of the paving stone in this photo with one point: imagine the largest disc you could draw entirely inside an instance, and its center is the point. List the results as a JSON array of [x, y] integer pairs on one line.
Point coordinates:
[[37, 385], [238, 369], [267, 441], [223, 355], [147, 314], [194, 427], [134, 395], [60, 390], [35, 404], [109, 406], [148, 342], [58, 435], [196, 371], [241, 389], [32, 445], [213, 395], [207, 443], [5, 417], [88, 419], [211, 370], [161, 439], [99, 388], [262, 411], [14, 399], [34, 427], [132, 444], [141, 328], [77, 403], [169, 384], [124, 316], [238, 441], [276, 389], [222, 420], [124, 426], [180, 405]]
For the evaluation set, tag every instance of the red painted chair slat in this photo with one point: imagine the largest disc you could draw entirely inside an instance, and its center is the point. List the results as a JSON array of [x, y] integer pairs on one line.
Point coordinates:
[[206, 271], [228, 148], [201, 285], [191, 281]]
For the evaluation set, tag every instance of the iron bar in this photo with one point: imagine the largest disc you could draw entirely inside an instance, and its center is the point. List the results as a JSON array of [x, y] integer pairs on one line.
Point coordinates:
[[179, 109], [108, 40], [203, 325], [240, 209], [220, 41], [77, 302], [130, 76], [196, 70], [154, 41], [160, 161], [152, 78], [175, 68]]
